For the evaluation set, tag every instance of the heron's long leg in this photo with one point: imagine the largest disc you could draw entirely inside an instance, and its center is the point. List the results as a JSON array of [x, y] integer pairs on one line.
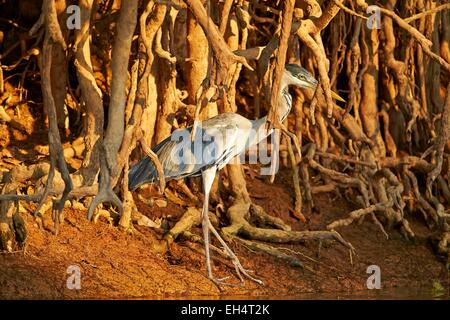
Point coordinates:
[[208, 178]]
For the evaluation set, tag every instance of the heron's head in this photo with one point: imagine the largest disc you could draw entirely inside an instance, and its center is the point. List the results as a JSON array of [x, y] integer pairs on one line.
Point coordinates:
[[300, 77]]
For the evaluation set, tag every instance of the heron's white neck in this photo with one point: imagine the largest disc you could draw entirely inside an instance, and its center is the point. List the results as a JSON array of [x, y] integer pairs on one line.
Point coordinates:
[[284, 107], [284, 98], [284, 104]]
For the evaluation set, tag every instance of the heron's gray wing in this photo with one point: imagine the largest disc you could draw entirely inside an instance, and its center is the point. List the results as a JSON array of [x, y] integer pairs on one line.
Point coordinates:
[[214, 144], [182, 157], [145, 171], [142, 172]]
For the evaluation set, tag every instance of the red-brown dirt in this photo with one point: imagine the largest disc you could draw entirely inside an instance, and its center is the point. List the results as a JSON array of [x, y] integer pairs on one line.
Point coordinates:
[[116, 265]]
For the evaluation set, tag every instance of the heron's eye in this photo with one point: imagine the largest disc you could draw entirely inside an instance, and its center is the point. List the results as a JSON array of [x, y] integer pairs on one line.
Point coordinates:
[[302, 77]]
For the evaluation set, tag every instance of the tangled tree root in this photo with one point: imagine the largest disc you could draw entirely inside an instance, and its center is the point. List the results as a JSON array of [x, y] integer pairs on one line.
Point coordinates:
[[239, 225], [444, 244], [12, 227], [353, 144], [249, 222]]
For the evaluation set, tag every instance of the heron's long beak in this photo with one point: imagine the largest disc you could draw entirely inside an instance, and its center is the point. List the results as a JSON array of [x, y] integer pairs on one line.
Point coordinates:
[[334, 95]]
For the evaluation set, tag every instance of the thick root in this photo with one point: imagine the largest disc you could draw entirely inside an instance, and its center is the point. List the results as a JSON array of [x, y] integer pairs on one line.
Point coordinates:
[[240, 226], [252, 245], [13, 230]]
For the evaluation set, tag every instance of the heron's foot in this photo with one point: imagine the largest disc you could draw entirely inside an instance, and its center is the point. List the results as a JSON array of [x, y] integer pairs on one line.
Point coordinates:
[[240, 270]]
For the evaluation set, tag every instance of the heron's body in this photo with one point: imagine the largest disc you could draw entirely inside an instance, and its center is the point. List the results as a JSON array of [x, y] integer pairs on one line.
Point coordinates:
[[217, 141]]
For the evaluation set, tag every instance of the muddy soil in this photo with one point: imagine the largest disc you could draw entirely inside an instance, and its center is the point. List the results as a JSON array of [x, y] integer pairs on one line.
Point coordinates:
[[117, 265]]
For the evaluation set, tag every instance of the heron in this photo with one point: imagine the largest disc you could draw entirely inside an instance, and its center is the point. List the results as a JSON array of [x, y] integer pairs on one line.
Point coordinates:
[[216, 142]]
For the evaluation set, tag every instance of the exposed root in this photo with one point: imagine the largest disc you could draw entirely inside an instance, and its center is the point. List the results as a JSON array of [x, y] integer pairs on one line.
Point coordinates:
[[105, 193], [57, 160], [240, 226], [261, 218], [444, 244], [296, 180], [357, 214], [440, 143], [192, 217], [253, 245], [12, 226], [103, 213], [6, 230], [375, 150]]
